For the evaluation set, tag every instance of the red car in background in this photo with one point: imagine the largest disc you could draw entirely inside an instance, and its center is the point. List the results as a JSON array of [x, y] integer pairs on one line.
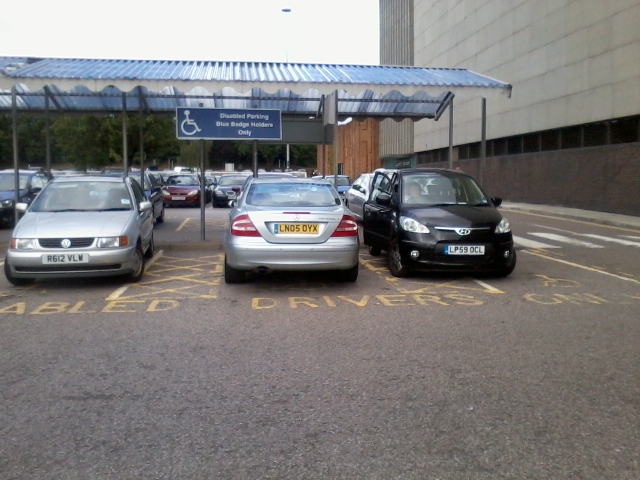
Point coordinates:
[[183, 190]]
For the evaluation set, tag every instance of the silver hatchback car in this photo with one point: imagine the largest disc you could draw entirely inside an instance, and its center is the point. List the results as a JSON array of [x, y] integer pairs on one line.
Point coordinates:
[[82, 226], [291, 224]]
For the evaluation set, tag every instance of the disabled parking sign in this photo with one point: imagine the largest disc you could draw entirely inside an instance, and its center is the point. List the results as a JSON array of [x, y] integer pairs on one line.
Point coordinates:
[[228, 124]]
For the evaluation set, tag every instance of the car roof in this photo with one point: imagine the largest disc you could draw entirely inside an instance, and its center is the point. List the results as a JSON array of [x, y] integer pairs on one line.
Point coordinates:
[[88, 178], [292, 179]]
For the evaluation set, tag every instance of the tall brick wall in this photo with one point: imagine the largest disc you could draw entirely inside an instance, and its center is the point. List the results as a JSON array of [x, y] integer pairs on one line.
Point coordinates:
[[605, 179]]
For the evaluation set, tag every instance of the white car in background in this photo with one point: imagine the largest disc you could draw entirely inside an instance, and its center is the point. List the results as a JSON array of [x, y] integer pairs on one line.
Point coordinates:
[[358, 193]]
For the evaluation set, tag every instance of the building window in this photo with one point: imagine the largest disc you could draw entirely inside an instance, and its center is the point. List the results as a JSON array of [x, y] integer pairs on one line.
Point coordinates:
[[625, 130], [595, 134], [571, 137], [531, 143], [550, 140]]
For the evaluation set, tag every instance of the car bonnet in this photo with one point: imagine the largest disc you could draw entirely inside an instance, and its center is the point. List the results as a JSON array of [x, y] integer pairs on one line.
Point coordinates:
[[73, 224], [454, 215]]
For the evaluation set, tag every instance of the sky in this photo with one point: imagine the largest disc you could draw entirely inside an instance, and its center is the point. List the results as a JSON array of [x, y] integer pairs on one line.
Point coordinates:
[[315, 31]]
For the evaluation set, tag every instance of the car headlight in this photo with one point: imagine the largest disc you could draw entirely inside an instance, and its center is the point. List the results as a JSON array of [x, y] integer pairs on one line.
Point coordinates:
[[7, 203], [112, 242], [503, 226], [24, 243], [194, 192], [411, 225]]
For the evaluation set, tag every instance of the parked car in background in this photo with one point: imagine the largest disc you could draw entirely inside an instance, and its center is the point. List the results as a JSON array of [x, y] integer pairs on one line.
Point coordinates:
[[31, 182], [343, 183], [82, 226], [429, 219], [358, 192], [183, 190], [160, 177], [290, 224], [152, 190], [224, 191]]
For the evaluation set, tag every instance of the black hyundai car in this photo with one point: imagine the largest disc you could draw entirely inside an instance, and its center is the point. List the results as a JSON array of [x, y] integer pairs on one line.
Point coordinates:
[[429, 219]]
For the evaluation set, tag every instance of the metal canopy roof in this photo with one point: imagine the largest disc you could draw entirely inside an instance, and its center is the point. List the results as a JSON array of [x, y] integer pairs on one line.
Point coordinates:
[[92, 85]]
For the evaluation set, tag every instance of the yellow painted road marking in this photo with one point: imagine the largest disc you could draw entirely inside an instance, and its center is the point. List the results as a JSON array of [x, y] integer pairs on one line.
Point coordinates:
[[583, 267], [624, 229], [183, 224]]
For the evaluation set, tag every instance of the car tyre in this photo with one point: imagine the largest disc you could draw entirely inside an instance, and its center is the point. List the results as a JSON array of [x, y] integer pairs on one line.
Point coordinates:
[[18, 282], [394, 260], [375, 251], [232, 275], [350, 275], [151, 248], [138, 269], [160, 218]]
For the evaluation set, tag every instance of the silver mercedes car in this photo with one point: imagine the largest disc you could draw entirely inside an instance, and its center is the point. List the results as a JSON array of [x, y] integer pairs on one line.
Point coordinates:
[[82, 226], [290, 224]]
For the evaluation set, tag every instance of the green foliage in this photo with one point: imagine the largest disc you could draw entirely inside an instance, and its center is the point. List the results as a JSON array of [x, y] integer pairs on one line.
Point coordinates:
[[94, 141]]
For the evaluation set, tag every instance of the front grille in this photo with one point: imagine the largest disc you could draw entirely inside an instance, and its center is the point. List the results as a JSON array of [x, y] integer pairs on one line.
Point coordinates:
[[75, 242]]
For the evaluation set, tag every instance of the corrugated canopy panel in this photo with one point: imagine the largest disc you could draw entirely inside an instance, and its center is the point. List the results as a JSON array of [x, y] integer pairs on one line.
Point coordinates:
[[293, 88]]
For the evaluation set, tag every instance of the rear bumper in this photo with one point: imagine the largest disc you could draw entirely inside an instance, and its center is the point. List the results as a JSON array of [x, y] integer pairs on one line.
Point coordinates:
[[332, 255]]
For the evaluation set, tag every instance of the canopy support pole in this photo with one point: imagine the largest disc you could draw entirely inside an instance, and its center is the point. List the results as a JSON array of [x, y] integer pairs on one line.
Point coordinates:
[[255, 158], [16, 167], [483, 141], [125, 152], [47, 131], [203, 196], [141, 138], [451, 134]]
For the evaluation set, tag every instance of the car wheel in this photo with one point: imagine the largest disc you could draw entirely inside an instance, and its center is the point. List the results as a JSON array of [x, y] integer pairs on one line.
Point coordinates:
[[18, 282], [151, 248], [375, 251], [350, 275], [394, 260], [507, 270], [160, 218], [138, 268], [231, 275]]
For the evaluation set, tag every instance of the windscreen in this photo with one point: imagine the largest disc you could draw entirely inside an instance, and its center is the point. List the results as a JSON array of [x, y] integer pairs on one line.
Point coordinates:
[[82, 196], [183, 180], [292, 195], [7, 182], [232, 180], [430, 189]]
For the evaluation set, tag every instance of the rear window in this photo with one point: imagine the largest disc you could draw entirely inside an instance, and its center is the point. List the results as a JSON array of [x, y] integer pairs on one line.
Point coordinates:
[[232, 180], [292, 195]]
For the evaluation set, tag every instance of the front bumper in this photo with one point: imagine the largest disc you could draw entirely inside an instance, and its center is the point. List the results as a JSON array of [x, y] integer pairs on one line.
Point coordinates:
[[431, 257], [102, 262]]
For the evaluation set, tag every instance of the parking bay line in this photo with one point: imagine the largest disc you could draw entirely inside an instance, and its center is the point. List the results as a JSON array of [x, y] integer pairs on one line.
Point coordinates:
[[583, 267], [151, 288]]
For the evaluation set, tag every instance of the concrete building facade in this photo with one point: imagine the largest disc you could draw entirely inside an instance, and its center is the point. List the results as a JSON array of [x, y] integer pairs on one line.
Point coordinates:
[[573, 119]]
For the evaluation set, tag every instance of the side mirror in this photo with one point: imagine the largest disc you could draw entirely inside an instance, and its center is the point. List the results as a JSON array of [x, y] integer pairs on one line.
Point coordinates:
[[497, 201], [232, 203], [21, 207], [145, 206]]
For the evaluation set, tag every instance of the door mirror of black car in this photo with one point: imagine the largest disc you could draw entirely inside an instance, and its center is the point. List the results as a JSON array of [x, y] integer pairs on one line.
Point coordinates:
[[497, 201], [383, 199]]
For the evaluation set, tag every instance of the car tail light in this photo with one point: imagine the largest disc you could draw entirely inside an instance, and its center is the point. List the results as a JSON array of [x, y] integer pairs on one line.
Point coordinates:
[[347, 227], [242, 226]]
